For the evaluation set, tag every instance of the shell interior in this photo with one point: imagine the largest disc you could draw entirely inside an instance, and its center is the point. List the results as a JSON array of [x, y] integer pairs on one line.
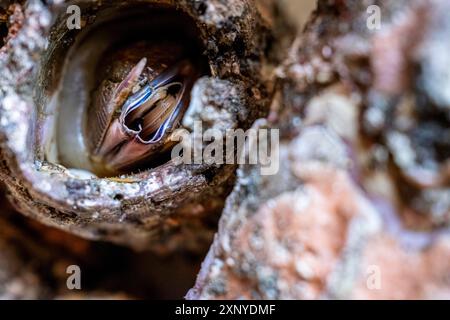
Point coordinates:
[[88, 121]]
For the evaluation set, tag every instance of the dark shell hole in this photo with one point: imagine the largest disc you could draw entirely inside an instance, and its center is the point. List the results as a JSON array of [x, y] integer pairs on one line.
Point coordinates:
[[3, 33]]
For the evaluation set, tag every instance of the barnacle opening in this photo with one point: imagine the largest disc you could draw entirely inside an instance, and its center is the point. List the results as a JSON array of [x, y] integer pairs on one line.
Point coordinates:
[[94, 74]]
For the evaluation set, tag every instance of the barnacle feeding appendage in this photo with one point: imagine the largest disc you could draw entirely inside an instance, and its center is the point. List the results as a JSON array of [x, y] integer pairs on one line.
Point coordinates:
[[135, 127]]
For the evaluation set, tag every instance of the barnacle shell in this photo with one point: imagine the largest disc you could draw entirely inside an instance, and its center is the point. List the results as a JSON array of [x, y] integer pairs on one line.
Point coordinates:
[[409, 115], [163, 206]]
